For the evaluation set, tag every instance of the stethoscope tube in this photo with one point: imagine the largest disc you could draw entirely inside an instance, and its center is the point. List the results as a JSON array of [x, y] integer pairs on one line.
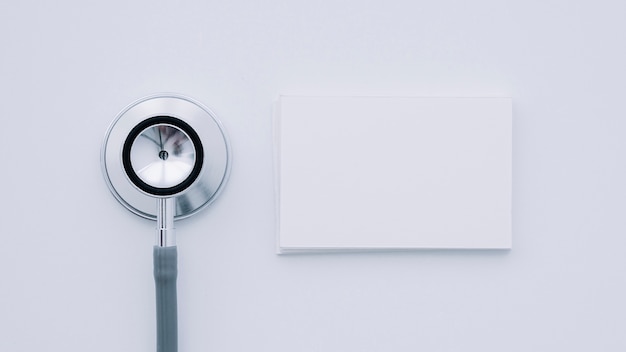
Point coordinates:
[[165, 256], [165, 273]]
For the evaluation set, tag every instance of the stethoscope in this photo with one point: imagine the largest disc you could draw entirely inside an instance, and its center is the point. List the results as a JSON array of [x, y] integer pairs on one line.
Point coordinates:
[[165, 157]]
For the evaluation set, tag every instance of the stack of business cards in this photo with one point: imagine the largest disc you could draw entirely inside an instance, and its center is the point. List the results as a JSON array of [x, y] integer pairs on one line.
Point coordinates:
[[382, 173]]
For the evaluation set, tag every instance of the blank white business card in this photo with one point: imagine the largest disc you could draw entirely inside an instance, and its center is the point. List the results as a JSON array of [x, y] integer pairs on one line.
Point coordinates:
[[367, 173]]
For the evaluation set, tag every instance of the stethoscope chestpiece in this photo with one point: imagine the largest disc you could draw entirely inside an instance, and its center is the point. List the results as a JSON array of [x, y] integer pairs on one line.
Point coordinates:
[[165, 146]]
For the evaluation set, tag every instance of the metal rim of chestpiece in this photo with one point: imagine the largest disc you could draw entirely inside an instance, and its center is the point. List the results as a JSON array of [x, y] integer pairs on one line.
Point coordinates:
[[200, 152]]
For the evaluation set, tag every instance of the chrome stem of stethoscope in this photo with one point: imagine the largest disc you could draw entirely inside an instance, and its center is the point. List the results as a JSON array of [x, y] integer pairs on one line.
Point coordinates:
[[165, 231]]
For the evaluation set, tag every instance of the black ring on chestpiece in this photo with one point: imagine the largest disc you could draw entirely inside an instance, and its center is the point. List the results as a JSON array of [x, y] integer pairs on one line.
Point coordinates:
[[140, 127]]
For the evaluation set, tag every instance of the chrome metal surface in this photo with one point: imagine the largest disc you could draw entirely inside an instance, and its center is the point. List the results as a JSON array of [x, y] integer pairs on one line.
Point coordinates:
[[215, 160], [162, 155], [165, 231]]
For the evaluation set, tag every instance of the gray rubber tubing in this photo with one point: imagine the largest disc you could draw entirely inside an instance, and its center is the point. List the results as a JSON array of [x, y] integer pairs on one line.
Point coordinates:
[[165, 271]]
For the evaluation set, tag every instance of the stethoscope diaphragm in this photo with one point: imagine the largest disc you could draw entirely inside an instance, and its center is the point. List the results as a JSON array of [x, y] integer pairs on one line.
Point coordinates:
[[165, 145]]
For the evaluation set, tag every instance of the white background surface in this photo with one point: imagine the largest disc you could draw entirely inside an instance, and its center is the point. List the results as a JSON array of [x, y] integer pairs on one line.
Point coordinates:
[[393, 172], [76, 266]]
